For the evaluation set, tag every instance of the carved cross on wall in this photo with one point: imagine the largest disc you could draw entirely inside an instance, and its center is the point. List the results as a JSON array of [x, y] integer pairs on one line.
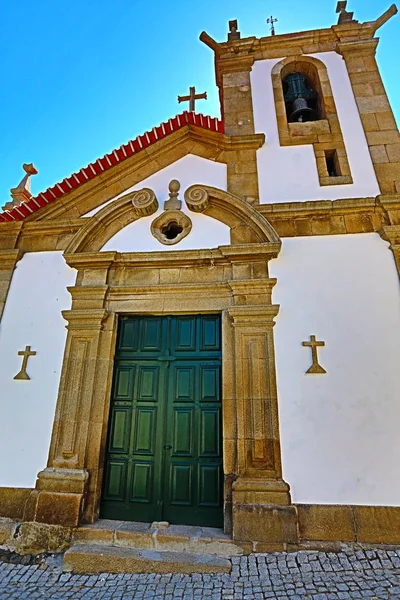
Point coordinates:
[[192, 98], [26, 354], [313, 344]]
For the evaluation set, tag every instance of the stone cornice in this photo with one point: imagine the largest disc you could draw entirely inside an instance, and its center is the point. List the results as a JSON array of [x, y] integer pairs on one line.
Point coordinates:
[[173, 258], [318, 207], [50, 235], [239, 55]]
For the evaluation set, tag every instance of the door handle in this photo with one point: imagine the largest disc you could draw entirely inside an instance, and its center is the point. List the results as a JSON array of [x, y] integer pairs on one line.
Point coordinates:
[[167, 447]]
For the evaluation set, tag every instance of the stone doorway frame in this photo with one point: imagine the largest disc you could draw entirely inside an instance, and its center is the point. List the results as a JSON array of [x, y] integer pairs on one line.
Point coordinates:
[[230, 280]]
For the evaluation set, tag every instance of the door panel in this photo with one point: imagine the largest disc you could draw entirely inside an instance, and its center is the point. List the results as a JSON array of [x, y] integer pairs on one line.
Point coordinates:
[[142, 480], [119, 429], [183, 432], [164, 458], [210, 441]]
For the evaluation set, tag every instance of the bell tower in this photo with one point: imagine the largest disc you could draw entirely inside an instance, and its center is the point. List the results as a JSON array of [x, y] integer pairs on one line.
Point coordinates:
[[318, 98]]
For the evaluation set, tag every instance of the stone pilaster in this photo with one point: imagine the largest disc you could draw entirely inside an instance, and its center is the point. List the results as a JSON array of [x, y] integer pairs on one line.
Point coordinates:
[[237, 102], [64, 487], [238, 116], [8, 262], [375, 111], [261, 510]]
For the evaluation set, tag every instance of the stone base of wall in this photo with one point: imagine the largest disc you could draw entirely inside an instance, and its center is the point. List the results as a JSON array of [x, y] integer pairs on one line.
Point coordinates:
[[363, 524], [256, 528], [12, 502]]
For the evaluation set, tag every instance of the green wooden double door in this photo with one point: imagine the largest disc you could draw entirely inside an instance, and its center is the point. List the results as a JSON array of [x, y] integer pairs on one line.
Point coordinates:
[[164, 448]]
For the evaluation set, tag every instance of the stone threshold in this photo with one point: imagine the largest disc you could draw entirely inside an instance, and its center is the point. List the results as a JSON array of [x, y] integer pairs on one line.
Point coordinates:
[[157, 536]]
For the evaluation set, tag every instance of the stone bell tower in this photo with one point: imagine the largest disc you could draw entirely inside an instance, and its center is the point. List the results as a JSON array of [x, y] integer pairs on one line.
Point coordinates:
[[319, 92]]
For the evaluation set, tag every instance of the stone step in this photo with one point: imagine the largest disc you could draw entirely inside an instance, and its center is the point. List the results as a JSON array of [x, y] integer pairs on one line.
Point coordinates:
[[175, 538], [101, 558]]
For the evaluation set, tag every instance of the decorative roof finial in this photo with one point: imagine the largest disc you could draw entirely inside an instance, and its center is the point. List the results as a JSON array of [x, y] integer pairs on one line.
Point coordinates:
[[271, 21], [233, 34], [22, 193], [344, 16]]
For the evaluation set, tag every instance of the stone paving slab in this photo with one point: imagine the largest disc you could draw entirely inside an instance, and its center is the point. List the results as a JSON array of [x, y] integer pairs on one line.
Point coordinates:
[[351, 574]]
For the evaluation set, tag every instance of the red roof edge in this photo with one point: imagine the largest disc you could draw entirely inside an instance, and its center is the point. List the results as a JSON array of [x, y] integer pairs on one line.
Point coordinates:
[[18, 213]]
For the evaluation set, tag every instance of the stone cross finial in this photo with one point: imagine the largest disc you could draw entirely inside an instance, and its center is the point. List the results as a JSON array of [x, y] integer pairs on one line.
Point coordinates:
[[271, 21], [173, 203], [192, 98], [22, 193], [233, 34], [344, 16]]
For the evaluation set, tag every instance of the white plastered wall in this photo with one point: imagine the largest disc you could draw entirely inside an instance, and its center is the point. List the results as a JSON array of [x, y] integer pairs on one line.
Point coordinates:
[[339, 431], [206, 232], [32, 316], [289, 173]]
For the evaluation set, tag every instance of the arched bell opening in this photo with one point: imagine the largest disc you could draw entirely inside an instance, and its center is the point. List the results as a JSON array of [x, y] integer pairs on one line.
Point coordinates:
[[302, 92]]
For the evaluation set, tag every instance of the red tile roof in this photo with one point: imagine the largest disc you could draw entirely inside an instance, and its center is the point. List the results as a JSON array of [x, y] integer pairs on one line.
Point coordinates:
[[18, 213]]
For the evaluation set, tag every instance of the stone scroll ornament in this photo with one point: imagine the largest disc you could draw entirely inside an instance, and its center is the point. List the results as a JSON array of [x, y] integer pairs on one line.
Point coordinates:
[[145, 202], [172, 225], [197, 199]]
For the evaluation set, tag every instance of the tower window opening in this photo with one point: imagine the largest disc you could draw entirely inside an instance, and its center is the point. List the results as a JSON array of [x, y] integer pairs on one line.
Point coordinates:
[[332, 163]]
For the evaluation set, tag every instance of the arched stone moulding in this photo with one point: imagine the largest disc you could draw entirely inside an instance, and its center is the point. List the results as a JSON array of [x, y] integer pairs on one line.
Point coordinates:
[[230, 280], [247, 225], [101, 226], [325, 135], [243, 220]]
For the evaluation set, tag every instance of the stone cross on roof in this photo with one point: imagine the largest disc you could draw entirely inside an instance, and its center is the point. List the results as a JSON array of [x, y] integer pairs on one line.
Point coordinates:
[[192, 98], [344, 16], [271, 21]]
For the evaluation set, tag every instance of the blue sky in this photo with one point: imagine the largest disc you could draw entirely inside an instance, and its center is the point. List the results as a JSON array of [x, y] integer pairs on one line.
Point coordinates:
[[81, 77]]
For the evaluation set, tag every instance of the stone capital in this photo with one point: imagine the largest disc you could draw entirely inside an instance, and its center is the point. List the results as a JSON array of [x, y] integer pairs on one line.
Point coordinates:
[[254, 292], [358, 48], [8, 261], [9, 258], [391, 234], [88, 297], [235, 64], [85, 319], [259, 316]]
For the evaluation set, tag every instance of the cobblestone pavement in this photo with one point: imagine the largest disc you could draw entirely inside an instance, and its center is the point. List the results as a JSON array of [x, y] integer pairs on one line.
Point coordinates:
[[350, 574]]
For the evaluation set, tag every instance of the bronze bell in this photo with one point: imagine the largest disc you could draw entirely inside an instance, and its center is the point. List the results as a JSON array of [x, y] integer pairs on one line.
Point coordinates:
[[297, 94], [302, 112]]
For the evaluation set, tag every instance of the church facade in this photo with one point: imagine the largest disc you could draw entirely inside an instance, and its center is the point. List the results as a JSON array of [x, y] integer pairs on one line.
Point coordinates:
[[202, 327]]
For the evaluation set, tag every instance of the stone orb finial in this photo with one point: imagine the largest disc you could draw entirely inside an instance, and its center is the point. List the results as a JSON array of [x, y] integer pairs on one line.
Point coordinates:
[[174, 187], [173, 202]]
